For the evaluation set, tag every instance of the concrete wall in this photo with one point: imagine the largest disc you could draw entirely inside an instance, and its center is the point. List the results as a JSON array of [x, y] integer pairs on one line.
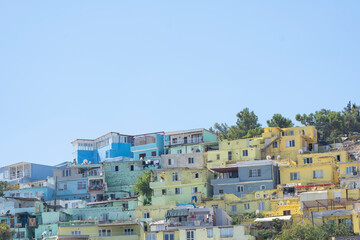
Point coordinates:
[[182, 160]]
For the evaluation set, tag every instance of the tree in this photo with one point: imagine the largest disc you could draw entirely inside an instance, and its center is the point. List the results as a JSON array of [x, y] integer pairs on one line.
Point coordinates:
[[246, 126], [142, 186], [247, 123], [3, 186], [277, 226], [328, 123], [279, 121], [351, 117], [5, 232], [309, 232]]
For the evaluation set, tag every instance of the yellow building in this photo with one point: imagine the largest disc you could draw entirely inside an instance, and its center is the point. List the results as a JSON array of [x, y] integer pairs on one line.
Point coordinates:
[[316, 168], [232, 151], [96, 230], [286, 143]]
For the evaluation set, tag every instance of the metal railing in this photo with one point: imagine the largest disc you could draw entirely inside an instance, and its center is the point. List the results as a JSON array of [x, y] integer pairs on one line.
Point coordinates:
[[183, 142]]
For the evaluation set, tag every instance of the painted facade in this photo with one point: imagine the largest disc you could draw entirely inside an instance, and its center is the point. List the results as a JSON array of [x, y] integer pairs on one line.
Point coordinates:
[[246, 177]]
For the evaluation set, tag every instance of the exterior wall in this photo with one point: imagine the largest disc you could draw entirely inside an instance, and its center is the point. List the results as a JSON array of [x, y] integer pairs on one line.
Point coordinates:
[[267, 181], [97, 213], [186, 149], [44, 193], [117, 230], [36, 172], [303, 137], [201, 233], [148, 149], [156, 212], [182, 160], [121, 182], [187, 182], [241, 150], [319, 162], [209, 136]]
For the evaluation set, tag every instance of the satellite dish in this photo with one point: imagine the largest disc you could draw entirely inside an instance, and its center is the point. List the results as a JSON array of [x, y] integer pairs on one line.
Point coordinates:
[[278, 157], [85, 161], [281, 203], [268, 157], [301, 151]]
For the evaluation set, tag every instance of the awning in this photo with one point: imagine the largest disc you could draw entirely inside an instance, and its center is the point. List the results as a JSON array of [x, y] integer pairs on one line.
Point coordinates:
[[314, 185], [176, 213], [270, 219]]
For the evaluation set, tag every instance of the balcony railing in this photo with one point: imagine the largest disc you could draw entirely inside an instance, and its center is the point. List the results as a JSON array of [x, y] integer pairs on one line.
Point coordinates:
[[96, 187], [183, 142]]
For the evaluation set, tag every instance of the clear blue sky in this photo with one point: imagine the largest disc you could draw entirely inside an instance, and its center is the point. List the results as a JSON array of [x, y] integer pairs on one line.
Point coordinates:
[[80, 69]]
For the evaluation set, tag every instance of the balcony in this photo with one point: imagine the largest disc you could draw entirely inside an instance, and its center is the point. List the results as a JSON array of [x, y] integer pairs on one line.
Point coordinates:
[[99, 187], [184, 142]]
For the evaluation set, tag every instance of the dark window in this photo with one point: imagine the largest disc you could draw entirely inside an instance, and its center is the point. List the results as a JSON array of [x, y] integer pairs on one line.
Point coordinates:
[[286, 213], [275, 144], [338, 157], [116, 168], [196, 175], [221, 191], [163, 192], [217, 156], [142, 155], [245, 153], [230, 156], [153, 154], [131, 167]]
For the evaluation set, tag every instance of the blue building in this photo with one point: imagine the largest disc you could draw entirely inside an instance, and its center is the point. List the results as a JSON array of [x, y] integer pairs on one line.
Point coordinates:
[[110, 145], [84, 182], [25, 172], [246, 177], [148, 146], [42, 190]]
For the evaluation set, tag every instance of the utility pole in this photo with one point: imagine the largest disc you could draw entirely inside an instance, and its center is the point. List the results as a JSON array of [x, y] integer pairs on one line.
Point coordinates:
[[55, 193]]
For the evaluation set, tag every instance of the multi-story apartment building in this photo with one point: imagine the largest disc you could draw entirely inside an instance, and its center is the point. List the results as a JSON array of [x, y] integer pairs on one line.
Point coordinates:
[[246, 177], [25, 172], [110, 145], [181, 185], [188, 141], [287, 143]]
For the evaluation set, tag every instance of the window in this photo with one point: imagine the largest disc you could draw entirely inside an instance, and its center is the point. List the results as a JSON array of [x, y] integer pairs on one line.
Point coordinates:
[[295, 176], [210, 233], [116, 168], [233, 208], [128, 231], [81, 185], [132, 167], [226, 232], [169, 236], [290, 143], [62, 186], [262, 187], [190, 235], [351, 170], [230, 156], [261, 206], [75, 232], [307, 160], [104, 232], [105, 216], [146, 215], [176, 176], [191, 160], [174, 140], [179, 151], [247, 206], [275, 144], [221, 191], [163, 191], [28, 195], [241, 188], [20, 235], [178, 190], [245, 153], [255, 172], [107, 154], [153, 154], [217, 156], [286, 213], [194, 190], [338, 158], [196, 175], [66, 172], [291, 133], [318, 174], [170, 162], [151, 236]]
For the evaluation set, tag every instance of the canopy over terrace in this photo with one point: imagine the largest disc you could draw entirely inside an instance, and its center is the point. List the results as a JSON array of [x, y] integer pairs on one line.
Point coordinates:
[[329, 204]]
